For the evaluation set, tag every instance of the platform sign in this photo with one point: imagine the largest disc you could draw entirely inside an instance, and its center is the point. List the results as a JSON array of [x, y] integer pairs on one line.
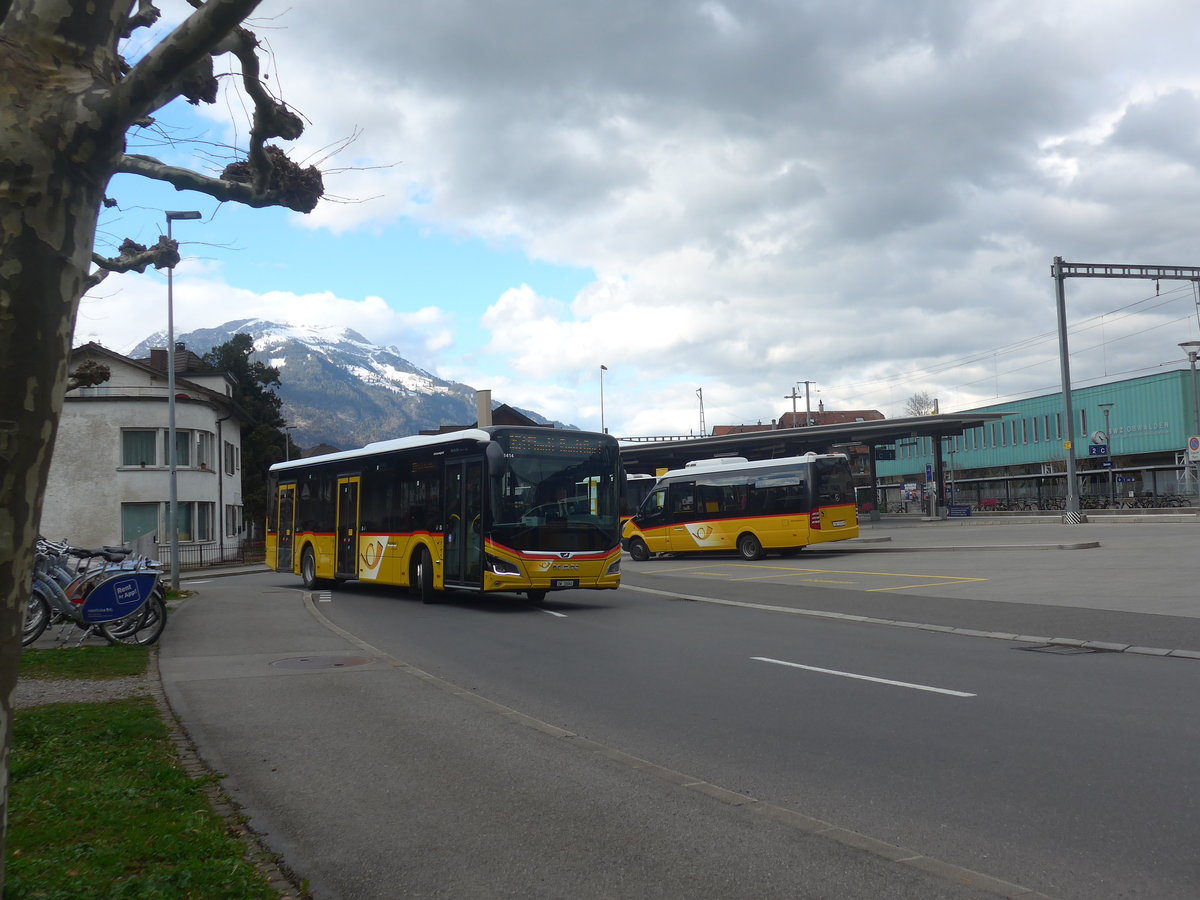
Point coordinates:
[[1098, 450]]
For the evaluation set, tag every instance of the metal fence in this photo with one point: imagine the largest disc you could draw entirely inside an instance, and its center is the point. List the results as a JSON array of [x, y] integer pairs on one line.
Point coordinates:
[[213, 556]]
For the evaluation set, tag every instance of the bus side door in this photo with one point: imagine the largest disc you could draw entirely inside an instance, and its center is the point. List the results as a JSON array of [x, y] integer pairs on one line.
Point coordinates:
[[681, 510], [347, 527], [463, 549], [285, 525]]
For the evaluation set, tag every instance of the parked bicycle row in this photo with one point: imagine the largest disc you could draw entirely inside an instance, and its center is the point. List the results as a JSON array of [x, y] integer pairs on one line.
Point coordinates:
[[107, 591], [1051, 504], [1030, 504]]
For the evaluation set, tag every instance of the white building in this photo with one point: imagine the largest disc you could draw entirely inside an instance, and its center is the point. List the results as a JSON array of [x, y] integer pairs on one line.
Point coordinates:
[[110, 476]]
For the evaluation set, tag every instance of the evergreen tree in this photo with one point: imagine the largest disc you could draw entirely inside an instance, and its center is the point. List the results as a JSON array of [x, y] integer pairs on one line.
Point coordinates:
[[264, 440]]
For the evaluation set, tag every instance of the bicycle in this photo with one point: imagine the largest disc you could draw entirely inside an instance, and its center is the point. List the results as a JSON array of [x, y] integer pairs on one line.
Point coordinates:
[[121, 598]]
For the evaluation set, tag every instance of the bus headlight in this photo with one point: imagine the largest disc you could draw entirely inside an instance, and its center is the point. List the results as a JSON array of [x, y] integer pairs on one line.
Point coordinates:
[[614, 567], [501, 566]]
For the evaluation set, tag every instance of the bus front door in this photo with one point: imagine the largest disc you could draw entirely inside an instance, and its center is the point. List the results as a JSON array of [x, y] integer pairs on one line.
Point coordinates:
[[347, 528], [285, 525], [464, 519]]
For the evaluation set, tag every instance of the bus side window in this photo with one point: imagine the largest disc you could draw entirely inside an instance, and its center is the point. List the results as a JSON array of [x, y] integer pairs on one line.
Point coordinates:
[[682, 499]]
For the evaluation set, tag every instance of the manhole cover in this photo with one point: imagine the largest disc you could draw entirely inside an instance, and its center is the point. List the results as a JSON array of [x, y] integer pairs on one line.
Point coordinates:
[[322, 662]]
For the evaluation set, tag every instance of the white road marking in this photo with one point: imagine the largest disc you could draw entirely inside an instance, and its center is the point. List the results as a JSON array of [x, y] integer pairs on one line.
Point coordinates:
[[915, 687], [551, 612]]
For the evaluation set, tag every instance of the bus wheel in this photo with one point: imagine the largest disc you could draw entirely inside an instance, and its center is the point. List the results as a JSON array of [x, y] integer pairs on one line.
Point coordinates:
[[536, 596], [422, 577], [308, 569], [638, 550], [750, 547]]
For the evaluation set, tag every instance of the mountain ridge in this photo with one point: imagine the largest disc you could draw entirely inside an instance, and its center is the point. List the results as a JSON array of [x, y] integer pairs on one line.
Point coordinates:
[[337, 387]]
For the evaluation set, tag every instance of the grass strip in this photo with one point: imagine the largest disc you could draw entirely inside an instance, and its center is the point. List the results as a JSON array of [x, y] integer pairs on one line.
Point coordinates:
[[110, 661], [100, 807]]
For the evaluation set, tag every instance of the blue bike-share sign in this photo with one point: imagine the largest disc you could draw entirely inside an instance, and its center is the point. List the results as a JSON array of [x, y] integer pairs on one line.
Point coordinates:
[[117, 597]]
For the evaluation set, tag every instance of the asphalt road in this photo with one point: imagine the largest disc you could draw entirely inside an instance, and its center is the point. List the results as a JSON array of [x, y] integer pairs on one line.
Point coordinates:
[[1072, 774]]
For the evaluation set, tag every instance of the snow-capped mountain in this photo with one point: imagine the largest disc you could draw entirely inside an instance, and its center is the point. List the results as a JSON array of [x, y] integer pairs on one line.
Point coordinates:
[[337, 387]]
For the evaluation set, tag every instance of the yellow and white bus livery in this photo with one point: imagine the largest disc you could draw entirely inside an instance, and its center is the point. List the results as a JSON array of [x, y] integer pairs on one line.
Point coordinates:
[[732, 504], [525, 510]]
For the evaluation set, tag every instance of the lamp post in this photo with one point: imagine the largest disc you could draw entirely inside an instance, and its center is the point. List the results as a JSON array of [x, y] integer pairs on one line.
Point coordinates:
[[1108, 440], [603, 369], [1190, 348], [172, 457]]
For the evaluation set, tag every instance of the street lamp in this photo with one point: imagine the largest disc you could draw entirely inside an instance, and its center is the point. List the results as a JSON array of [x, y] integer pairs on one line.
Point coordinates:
[[1108, 440], [603, 369], [1191, 348], [172, 457]]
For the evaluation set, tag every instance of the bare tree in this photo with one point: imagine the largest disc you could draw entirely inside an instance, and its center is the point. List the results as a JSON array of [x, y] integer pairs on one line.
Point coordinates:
[[67, 100], [920, 404]]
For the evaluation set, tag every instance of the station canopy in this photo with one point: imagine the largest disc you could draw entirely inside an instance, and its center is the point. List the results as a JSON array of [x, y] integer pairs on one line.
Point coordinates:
[[649, 456]]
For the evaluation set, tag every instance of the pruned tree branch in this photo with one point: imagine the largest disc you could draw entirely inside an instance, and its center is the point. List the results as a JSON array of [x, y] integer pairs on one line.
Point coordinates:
[[271, 117], [142, 91], [147, 14], [135, 257], [89, 374], [300, 190]]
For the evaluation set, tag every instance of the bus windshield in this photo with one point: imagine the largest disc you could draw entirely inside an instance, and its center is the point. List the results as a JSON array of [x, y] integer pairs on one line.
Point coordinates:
[[835, 482], [555, 493]]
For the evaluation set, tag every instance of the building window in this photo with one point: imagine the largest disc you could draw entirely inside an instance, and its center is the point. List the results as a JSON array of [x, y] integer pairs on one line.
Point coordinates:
[[233, 521], [1035, 429], [1024, 431], [1058, 426], [138, 448], [138, 520], [1046, 425], [204, 449], [1083, 432], [183, 447], [204, 521], [229, 461]]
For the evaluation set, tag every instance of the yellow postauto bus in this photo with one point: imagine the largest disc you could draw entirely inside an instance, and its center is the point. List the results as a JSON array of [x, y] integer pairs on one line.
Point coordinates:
[[525, 510], [732, 504]]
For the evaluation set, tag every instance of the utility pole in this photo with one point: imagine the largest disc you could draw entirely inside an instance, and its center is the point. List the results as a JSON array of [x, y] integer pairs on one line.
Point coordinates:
[[793, 396], [700, 394], [807, 401]]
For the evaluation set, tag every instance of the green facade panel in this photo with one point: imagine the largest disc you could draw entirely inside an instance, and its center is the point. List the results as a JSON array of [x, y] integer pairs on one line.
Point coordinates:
[[1149, 415]]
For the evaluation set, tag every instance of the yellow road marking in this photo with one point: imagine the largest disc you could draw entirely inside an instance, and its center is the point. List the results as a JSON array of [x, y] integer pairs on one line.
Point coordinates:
[[793, 572], [908, 587]]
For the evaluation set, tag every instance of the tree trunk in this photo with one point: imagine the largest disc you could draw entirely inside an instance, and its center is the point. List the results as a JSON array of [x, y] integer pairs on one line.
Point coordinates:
[[57, 153]]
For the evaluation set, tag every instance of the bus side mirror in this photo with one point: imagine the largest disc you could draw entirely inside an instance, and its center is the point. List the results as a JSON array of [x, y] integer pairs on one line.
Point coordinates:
[[497, 464]]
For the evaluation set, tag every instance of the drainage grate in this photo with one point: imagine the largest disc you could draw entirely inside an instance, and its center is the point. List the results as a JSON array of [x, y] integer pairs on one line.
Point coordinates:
[[1063, 649], [322, 662]]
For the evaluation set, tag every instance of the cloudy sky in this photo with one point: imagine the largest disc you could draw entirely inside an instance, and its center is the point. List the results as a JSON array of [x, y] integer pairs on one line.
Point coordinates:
[[729, 197]]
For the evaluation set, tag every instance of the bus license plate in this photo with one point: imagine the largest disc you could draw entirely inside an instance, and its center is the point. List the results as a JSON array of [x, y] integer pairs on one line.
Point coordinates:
[[840, 523], [559, 584]]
